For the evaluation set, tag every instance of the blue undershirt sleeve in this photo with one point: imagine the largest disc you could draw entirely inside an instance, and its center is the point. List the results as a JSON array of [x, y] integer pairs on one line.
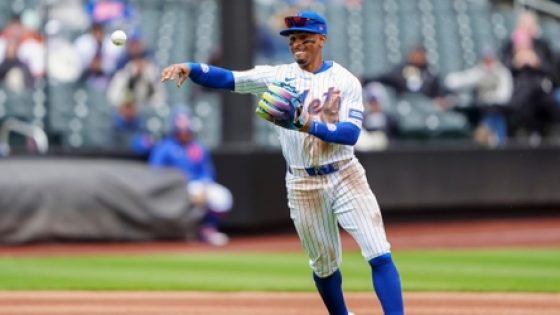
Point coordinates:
[[212, 77], [343, 132], [158, 156]]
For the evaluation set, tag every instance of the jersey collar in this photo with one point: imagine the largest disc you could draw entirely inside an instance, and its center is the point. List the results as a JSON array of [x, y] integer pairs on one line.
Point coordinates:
[[326, 66]]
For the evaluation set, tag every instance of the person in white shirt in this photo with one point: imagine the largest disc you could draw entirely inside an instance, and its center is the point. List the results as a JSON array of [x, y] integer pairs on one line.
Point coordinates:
[[492, 84]]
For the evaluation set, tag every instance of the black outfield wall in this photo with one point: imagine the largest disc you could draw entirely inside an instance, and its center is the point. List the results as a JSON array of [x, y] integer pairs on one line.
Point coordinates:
[[120, 199], [410, 180]]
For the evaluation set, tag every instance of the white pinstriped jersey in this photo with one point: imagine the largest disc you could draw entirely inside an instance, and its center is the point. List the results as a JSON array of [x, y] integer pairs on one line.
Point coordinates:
[[318, 204], [331, 96]]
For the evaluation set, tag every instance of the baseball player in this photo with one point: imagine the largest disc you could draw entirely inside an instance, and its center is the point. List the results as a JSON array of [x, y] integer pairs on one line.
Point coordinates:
[[317, 108], [181, 150]]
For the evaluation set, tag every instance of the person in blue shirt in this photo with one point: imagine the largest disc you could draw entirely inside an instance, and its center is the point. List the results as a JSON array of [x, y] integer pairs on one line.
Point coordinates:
[[182, 151]]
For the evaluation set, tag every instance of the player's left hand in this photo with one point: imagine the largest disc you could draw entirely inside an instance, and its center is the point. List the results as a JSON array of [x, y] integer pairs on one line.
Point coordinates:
[[179, 71], [281, 106]]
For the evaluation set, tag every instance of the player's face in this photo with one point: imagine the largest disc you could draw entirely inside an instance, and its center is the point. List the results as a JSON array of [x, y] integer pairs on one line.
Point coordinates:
[[184, 136], [306, 49]]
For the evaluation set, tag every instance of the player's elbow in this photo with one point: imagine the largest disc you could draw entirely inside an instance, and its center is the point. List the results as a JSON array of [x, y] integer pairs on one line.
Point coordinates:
[[342, 133], [351, 133], [346, 134], [354, 139]]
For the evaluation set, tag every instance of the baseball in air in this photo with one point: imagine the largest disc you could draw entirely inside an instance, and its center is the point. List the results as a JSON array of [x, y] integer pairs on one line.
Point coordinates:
[[118, 37]]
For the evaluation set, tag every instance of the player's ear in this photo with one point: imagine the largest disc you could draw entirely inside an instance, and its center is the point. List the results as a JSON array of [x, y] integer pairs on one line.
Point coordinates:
[[322, 40]]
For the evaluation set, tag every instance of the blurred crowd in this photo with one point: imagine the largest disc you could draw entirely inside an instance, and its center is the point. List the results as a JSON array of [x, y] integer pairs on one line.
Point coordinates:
[[74, 48], [21, 53], [511, 95]]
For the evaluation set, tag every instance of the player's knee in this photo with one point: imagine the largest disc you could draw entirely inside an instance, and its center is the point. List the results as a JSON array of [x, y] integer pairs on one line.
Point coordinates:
[[381, 260], [220, 199], [325, 273], [325, 267]]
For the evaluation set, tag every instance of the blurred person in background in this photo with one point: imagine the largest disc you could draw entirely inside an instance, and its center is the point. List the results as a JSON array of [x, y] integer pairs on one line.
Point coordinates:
[[378, 126], [32, 46], [182, 151], [15, 75], [140, 78], [63, 62], [530, 59], [113, 13], [26, 42], [492, 85], [128, 125], [413, 76], [14, 28], [98, 57], [133, 89], [135, 47]]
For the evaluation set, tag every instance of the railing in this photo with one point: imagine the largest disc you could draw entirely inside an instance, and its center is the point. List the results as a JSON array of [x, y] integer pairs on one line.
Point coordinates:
[[12, 125]]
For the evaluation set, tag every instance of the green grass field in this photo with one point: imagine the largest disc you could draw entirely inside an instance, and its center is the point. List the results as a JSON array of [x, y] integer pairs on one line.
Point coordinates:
[[435, 270]]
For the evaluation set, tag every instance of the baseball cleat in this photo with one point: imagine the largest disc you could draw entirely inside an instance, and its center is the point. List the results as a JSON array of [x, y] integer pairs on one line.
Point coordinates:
[[213, 237]]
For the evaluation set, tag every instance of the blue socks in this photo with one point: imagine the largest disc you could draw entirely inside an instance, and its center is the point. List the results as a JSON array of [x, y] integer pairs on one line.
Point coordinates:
[[387, 284], [330, 289]]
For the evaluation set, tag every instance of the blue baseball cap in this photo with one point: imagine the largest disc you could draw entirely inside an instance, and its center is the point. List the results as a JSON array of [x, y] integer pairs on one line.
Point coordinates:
[[181, 119], [305, 21]]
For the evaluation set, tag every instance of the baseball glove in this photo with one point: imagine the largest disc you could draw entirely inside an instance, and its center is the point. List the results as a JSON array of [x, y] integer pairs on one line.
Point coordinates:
[[280, 105]]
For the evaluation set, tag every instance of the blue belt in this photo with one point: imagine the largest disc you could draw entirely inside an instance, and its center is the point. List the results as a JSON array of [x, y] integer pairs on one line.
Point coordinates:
[[320, 169]]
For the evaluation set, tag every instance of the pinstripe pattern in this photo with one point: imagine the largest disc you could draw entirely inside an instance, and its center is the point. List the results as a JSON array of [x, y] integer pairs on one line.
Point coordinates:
[[300, 149], [319, 204]]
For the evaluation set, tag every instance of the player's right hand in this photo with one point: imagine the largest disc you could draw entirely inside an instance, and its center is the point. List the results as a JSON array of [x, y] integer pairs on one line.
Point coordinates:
[[179, 71]]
